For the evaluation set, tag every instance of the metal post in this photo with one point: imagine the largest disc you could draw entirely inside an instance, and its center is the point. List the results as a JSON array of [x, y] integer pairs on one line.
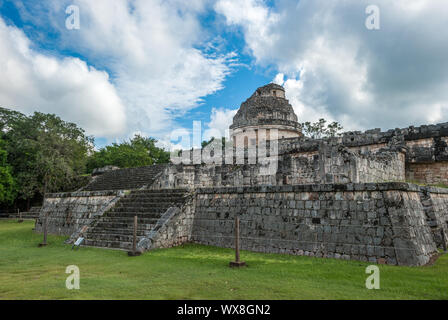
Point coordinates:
[[237, 262]]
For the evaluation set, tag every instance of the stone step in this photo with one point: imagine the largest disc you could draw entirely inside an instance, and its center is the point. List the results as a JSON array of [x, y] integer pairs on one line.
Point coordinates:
[[160, 191], [140, 215], [112, 237], [122, 231], [149, 200], [125, 179], [140, 220], [153, 209], [152, 198], [152, 202], [119, 225], [126, 222], [142, 210], [109, 244], [116, 228]]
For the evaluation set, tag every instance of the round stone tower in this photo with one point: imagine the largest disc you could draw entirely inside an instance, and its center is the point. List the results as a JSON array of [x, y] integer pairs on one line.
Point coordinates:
[[267, 110]]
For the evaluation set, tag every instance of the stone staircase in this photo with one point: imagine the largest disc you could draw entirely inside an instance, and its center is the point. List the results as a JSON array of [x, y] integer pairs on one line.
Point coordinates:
[[125, 179], [115, 228]]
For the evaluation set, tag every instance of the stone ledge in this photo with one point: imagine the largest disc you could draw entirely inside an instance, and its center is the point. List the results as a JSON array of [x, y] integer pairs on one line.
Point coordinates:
[[86, 194], [372, 137], [387, 186], [437, 190]]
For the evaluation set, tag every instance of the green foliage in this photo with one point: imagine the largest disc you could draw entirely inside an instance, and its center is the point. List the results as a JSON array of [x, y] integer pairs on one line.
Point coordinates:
[[321, 129], [7, 183], [206, 143], [45, 152], [138, 151]]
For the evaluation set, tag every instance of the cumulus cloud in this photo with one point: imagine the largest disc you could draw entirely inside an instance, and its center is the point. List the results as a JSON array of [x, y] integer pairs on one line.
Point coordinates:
[[220, 121], [68, 87], [151, 48], [333, 67]]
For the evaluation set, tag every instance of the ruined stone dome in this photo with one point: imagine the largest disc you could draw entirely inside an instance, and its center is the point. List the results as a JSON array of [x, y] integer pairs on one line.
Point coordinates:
[[267, 107]]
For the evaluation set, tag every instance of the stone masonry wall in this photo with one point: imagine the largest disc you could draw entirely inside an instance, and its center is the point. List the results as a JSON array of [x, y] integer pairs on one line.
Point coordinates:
[[380, 223], [67, 212], [381, 167], [339, 164], [435, 203], [429, 173], [208, 175], [332, 163], [426, 148]]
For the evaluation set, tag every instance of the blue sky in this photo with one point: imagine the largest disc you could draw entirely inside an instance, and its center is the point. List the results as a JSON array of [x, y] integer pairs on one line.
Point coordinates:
[[151, 67]]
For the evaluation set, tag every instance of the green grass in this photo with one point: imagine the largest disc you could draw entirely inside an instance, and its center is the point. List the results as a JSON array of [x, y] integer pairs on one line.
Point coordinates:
[[196, 272]]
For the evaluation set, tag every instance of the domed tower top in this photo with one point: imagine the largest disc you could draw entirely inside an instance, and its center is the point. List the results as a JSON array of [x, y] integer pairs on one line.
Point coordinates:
[[268, 109], [271, 90]]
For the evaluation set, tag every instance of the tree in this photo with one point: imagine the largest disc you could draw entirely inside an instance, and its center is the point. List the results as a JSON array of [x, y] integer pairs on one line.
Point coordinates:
[[321, 129], [206, 143], [45, 152], [138, 151], [7, 183]]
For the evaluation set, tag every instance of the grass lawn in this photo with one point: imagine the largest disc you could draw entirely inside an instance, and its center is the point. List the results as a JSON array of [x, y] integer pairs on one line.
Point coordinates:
[[196, 272]]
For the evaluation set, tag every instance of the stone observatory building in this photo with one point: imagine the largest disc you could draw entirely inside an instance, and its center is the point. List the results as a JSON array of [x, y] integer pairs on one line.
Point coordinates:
[[267, 109], [375, 196]]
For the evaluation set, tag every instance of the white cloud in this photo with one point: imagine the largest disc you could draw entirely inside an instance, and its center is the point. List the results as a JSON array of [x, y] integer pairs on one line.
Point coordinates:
[[78, 93], [333, 67], [220, 121], [150, 48]]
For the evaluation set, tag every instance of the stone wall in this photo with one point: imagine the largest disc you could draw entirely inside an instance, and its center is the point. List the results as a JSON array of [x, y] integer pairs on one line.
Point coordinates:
[[380, 167], [435, 204], [68, 212], [207, 175], [428, 172], [331, 163], [339, 164], [380, 223], [426, 148]]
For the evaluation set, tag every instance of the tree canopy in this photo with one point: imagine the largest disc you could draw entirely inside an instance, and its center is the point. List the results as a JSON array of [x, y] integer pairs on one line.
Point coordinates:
[[321, 129], [7, 184], [44, 152], [138, 151]]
